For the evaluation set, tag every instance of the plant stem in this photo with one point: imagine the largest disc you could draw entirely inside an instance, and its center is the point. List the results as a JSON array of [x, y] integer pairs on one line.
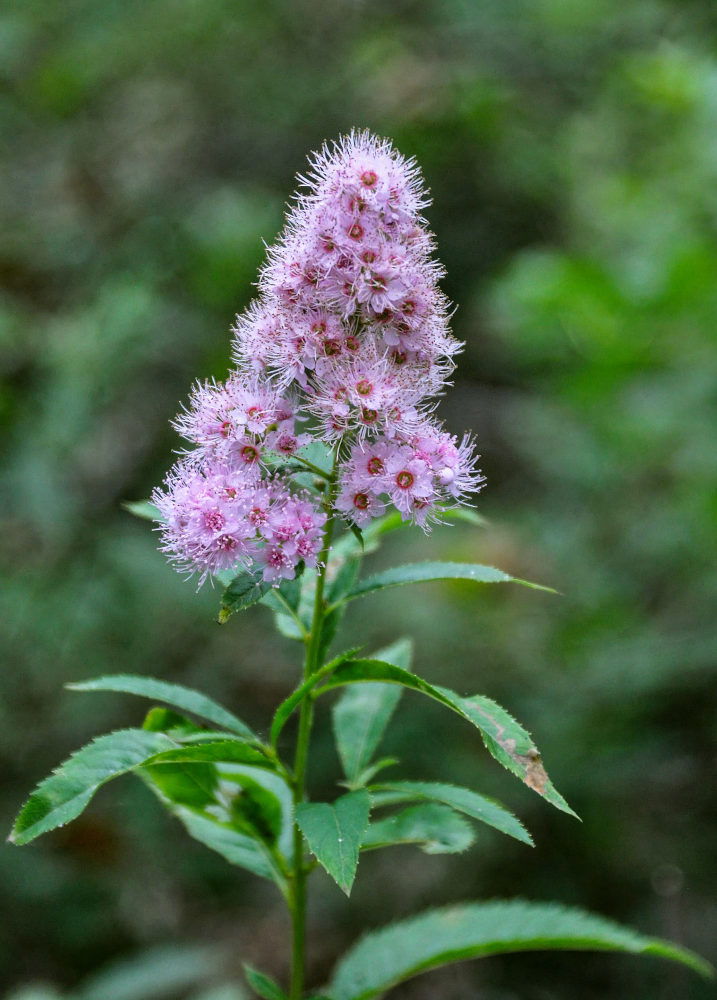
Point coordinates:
[[311, 665]]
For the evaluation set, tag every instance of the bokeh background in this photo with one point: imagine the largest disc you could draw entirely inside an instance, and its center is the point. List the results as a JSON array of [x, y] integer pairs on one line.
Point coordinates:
[[571, 149]]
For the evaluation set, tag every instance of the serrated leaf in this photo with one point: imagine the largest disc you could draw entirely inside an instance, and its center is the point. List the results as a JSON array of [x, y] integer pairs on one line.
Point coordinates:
[[462, 799], [361, 715], [173, 694], [504, 738], [243, 591], [425, 572], [437, 828], [263, 985], [65, 793], [389, 956], [143, 509], [335, 832]]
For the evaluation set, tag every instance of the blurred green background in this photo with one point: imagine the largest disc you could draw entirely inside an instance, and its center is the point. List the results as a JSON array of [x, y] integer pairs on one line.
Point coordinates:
[[571, 149]]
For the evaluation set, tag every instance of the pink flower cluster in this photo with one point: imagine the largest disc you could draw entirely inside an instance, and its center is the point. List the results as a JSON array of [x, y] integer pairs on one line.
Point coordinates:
[[350, 335], [218, 517]]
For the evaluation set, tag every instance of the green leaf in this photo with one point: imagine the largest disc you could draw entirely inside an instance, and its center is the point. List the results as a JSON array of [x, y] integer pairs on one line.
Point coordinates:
[[158, 972], [188, 785], [389, 956], [258, 809], [220, 751], [235, 847], [462, 799], [437, 828], [358, 535], [335, 833], [504, 738], [65, 794], [319, 454], [427, 571], [344, 578], [248, 820], [465, 514], [262, 985], [179, 727], [372, 770], [360, 718], [243, 591], [292, 701], [361, 715], [173, 694], [143, 509]]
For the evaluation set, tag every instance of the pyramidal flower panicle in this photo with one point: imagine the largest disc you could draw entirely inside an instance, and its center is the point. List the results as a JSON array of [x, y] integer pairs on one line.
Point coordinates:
[[347, 343]]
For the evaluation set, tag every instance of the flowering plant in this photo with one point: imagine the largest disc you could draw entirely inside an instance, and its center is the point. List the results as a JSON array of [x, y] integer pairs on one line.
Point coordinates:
[[325, 424]]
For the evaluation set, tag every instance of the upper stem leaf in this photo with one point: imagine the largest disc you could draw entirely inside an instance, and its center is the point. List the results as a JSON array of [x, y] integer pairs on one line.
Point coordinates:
[[504, 738], [425, 572]]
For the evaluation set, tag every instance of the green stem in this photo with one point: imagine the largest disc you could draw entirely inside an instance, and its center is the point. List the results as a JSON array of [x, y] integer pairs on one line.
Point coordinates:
[[311, 665]]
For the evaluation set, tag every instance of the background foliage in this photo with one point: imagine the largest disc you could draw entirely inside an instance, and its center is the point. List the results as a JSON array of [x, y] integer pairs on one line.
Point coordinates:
[[572, 155]]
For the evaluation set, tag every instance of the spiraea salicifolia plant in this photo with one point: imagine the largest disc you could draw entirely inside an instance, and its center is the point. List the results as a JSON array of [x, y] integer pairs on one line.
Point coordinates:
[[321, 441]]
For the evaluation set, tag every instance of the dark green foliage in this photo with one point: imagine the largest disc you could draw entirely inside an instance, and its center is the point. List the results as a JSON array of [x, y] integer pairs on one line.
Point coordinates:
[[462, 799], [263, 985], [387, 957], [243, 591], [504, 738], [427, 571], [61, 797], [174, 694], [435, 828], [335, 833], [361, 714]]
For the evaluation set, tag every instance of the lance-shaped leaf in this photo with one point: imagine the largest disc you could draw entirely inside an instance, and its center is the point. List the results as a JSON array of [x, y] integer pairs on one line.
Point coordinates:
[[504, 738], [436, 828], [263, 985], [243, 591], [425, 572], [361, 715], [473, 930], [335, 833], [462, 799], [65, 794], [173, 694]]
